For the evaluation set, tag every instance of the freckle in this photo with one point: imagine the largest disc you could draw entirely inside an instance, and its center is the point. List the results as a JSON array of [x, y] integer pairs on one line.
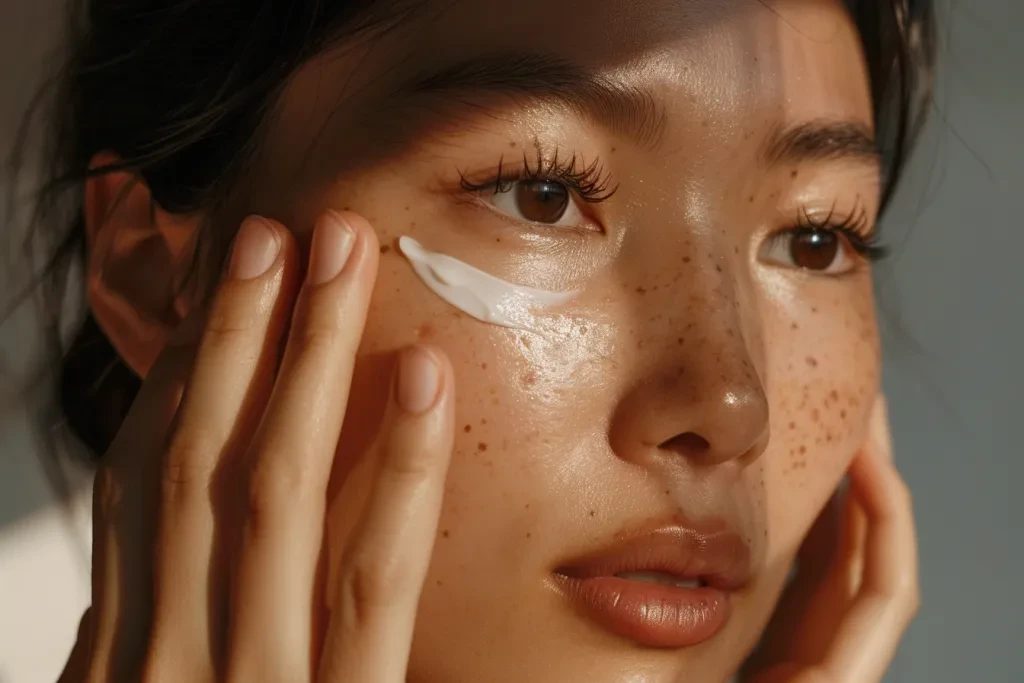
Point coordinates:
[[527, 506], [736, 250], [792, 425], [592, 513], [346, 208], [834, 395], [794, 326], [718, 268], [498, 240], [842, 414], [613, 150], [750, 199], [529, 535], [814, 309], [483, 420], [467, 428], [668, 492], [686, 259], [412, 225], [679, 341], [512, 145], [481, 447], [815, 415], [407, 208], [445, 533], [828, 437], [803, 450], [425, 331], [483, 366], [641, 291], [813, 362], [794, 174], [384, 248], [439, 583]]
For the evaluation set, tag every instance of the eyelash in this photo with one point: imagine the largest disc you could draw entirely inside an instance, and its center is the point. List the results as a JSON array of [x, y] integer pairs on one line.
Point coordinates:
[[591, 184], [587, 181], [855, 228]]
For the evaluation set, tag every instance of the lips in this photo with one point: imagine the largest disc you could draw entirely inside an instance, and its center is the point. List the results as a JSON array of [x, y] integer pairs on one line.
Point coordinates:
[[669, 587]]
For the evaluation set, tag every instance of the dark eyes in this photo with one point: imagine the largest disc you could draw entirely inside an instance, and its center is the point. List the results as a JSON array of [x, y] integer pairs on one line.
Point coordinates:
[[821, 250], [831, 247], [537, 201]]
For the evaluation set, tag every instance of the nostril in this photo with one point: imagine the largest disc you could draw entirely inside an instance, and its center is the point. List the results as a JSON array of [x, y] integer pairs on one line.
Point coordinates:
[[688, 444]]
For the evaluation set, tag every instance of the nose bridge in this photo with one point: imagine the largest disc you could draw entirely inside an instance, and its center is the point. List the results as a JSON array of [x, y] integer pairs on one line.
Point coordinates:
[[700, 394]]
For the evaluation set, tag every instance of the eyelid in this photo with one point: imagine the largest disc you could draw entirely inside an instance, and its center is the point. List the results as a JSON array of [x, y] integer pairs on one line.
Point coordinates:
[[587, 180]]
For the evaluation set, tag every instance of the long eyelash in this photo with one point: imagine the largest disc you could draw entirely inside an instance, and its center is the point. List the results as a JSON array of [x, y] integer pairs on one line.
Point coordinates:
[[588, 181], [856, 228]]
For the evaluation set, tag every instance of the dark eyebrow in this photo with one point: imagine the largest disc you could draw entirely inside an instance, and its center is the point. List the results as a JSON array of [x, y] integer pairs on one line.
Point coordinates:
[[822, 141], [622, 108]]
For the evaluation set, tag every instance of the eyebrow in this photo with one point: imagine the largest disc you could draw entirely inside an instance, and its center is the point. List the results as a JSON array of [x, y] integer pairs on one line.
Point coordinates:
[[622, 108], [821, 141]]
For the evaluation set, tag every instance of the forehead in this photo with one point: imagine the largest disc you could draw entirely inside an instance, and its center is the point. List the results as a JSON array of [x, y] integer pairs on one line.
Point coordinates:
[[773, 51], [741, 64]]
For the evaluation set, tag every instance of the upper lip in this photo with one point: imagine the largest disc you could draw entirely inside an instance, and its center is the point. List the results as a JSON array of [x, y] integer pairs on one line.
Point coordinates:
[[718, 558]]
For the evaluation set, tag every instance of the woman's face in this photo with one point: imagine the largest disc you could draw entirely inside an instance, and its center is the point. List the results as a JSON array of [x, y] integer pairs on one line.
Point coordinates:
[[700, 396]]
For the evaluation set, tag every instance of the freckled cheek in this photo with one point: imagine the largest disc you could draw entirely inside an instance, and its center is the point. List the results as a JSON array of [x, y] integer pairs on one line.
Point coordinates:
[[823, 390]]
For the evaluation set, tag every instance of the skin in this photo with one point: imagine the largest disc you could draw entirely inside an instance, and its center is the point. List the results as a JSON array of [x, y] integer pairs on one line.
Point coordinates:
[[687, 326]]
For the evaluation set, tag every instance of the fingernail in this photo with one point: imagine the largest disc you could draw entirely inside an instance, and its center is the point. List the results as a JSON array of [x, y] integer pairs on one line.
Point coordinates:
[[332, 244], [255, 250], [419, 380]]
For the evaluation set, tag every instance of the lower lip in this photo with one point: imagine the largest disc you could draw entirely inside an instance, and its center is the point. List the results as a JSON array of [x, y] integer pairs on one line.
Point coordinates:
[[650, 614]]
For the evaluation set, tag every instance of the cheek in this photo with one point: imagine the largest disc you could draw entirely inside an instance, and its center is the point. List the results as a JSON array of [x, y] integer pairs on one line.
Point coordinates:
[[824, 365]]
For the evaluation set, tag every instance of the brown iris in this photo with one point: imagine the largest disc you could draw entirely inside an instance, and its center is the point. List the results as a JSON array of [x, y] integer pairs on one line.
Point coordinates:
[[541, 201], [814, 249]]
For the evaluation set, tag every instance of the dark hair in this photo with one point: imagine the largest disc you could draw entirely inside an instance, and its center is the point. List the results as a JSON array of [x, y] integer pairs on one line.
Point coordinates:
[[178, 91]]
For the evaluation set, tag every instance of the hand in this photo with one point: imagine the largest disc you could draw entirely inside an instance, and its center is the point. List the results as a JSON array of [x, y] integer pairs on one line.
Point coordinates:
[[209, 507], [856, 589]]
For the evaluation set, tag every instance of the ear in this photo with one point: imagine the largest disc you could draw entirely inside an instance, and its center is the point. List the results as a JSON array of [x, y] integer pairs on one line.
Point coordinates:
[[137, 257]]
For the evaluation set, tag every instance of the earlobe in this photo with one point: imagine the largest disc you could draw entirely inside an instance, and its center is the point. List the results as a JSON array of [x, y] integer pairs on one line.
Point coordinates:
[[136, 257]]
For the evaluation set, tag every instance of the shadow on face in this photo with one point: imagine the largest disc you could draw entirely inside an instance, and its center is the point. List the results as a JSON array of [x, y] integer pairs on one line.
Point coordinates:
[[703, 176]]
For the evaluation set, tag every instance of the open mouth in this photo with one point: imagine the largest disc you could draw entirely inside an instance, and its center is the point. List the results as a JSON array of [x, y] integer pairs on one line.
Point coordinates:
[[668, 588], [661, 578]]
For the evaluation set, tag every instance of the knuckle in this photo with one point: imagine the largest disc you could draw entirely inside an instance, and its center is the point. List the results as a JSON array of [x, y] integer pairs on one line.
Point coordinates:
[[410, 470], [188, 467], [274, 487], [317, 340], [370, 589], [235, 309]]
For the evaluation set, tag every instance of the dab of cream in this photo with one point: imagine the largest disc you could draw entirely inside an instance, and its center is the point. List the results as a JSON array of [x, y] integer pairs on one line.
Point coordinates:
[[474, 292]]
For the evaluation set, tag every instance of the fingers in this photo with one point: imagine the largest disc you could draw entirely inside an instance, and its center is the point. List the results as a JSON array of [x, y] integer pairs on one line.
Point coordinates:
[[124, 521], [888, 599], [293, 450], [220, 407], [386, 561]]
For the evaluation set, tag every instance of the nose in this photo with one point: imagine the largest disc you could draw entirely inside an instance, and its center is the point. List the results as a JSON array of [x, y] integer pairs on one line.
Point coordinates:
[[710, 408]]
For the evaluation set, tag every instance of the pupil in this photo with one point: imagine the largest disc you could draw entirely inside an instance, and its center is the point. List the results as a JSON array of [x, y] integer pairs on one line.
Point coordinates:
[[542, 201], [814, 249]]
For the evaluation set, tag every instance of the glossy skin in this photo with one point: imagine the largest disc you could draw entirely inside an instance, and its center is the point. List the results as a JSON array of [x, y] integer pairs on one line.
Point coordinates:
[[688, 325]]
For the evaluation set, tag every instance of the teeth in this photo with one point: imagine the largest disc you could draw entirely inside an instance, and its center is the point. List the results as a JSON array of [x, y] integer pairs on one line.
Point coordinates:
[[660, 578]]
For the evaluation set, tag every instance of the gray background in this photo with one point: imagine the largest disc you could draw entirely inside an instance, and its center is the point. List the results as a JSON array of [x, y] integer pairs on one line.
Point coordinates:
[[953, 329]]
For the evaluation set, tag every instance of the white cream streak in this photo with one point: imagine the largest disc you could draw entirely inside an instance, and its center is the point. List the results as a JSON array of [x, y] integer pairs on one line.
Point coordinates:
[[476, 293]]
